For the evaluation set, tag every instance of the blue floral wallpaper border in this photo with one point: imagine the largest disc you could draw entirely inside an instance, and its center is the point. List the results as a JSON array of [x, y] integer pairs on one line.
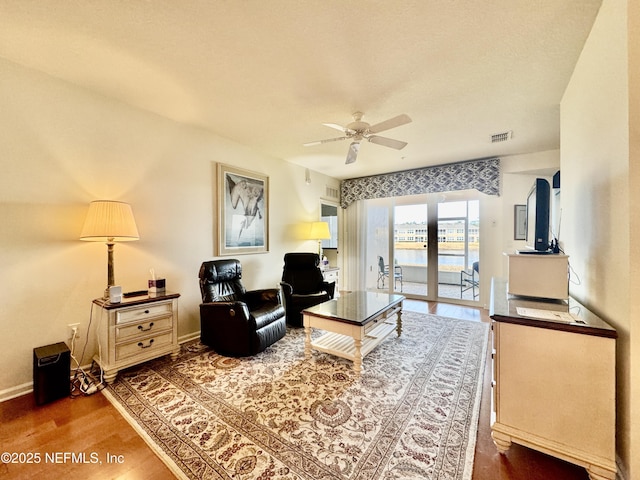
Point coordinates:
[[483, 175]]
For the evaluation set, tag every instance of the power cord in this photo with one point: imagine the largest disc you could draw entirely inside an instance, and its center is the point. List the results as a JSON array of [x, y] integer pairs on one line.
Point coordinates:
[[577, 280], [84, 383]]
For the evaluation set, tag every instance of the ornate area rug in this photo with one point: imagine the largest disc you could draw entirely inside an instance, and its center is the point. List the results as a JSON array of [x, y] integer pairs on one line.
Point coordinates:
[[412, 414]]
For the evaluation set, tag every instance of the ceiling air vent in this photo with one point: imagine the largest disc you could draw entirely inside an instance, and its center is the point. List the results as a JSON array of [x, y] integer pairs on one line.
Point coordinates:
[[331, 192], [501, 137]]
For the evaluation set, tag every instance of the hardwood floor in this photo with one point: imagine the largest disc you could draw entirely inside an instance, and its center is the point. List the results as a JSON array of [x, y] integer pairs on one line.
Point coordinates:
[[91, 425]]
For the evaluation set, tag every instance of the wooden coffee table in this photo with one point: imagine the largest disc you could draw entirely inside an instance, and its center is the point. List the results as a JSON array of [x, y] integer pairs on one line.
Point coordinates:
[[355, 323]]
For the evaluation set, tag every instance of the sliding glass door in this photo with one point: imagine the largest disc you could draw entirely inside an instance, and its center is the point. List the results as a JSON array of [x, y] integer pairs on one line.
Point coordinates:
[[424, 246], [459, 250]]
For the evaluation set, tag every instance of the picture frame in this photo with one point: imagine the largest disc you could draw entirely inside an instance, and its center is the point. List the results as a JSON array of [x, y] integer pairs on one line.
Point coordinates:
[[519, 222], [243, 211]]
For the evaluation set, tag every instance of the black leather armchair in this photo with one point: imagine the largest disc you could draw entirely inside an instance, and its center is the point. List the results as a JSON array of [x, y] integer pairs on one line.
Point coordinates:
[[303, 285], [234, 321]]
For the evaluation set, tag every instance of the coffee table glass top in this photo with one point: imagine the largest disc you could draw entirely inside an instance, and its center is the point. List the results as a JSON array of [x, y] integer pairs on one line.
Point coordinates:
[[355, 307]]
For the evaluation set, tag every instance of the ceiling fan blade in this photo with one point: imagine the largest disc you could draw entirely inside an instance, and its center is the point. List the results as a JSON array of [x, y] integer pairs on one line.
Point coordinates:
[[391, 123], [336, 126], [353, 152], [387, 142], [320, 142]]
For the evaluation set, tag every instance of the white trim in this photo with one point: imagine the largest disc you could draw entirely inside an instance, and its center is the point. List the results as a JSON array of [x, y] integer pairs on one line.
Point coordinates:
[[188, 337], [622, 471], [17, 391], [26, 388]]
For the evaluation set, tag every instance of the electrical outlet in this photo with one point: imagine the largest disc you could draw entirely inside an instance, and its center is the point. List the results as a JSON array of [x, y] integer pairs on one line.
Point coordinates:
[[70, 328]]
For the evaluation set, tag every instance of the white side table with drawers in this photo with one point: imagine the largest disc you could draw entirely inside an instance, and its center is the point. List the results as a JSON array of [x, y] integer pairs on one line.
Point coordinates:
[[332, 274], [136, 330]]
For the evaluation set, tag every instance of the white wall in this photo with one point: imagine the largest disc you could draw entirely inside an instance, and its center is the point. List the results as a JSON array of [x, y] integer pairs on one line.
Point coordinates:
[[633, 42], [62, 147], [519, 172], [497, 212], [597, 184]]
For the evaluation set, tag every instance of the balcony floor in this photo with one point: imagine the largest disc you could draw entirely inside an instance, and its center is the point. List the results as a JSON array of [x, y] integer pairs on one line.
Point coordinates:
[[444, 290]]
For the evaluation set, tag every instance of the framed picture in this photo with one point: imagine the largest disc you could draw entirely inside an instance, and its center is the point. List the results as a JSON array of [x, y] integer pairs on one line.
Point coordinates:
[[519, 222], [243, 211]]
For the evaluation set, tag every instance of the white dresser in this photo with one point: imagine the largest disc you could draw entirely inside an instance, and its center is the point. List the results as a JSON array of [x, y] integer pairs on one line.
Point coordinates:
[[554, 381], [134, 331]]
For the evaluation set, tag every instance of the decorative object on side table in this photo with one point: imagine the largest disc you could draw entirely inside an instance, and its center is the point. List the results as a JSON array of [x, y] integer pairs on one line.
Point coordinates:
[[109, 221], [156, 285]]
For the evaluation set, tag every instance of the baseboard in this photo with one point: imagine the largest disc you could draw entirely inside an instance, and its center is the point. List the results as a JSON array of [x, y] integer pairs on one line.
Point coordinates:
[[16, 391], [622, 471], [26, 388], [189, 337]]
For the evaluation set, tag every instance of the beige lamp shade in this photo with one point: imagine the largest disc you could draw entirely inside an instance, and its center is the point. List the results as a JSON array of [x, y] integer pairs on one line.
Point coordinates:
[[319, 231], [109, 221]]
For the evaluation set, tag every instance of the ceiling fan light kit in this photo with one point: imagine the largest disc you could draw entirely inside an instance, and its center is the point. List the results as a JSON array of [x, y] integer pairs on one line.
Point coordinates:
[[354, 148], [359, 130]]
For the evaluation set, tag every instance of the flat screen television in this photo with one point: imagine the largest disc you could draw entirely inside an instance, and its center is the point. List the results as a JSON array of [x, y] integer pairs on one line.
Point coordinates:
[[537, 223]]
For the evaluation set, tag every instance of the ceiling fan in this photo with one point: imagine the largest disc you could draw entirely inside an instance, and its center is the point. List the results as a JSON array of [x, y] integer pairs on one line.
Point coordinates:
[[359, 130]]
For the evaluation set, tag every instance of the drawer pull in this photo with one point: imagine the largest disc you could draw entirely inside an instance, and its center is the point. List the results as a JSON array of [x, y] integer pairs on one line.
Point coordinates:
[[145, 329], [146, 311], [141, 345]]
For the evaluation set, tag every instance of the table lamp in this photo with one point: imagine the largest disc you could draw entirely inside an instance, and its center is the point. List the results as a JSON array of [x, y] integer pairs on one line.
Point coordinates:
[[319, 231], [109, 221]]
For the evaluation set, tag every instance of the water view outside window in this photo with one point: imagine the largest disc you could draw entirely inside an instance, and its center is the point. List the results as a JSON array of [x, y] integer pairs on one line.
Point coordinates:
[[411, 246], [458, 249], [458, 243]]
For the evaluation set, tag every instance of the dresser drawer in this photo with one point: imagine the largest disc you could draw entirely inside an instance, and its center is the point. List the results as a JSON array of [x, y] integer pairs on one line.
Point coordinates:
[[142, 329], [143, 347], [143, 312]]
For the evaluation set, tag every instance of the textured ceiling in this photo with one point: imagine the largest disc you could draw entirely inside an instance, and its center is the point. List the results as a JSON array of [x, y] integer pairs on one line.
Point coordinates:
[[268, 73]]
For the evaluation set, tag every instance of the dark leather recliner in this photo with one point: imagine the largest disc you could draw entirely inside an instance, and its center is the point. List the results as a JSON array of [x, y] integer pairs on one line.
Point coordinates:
[[233, 321], [303, 285]]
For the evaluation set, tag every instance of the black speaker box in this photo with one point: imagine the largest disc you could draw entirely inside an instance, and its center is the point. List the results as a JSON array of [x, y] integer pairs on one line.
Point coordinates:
[[51, 372]]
